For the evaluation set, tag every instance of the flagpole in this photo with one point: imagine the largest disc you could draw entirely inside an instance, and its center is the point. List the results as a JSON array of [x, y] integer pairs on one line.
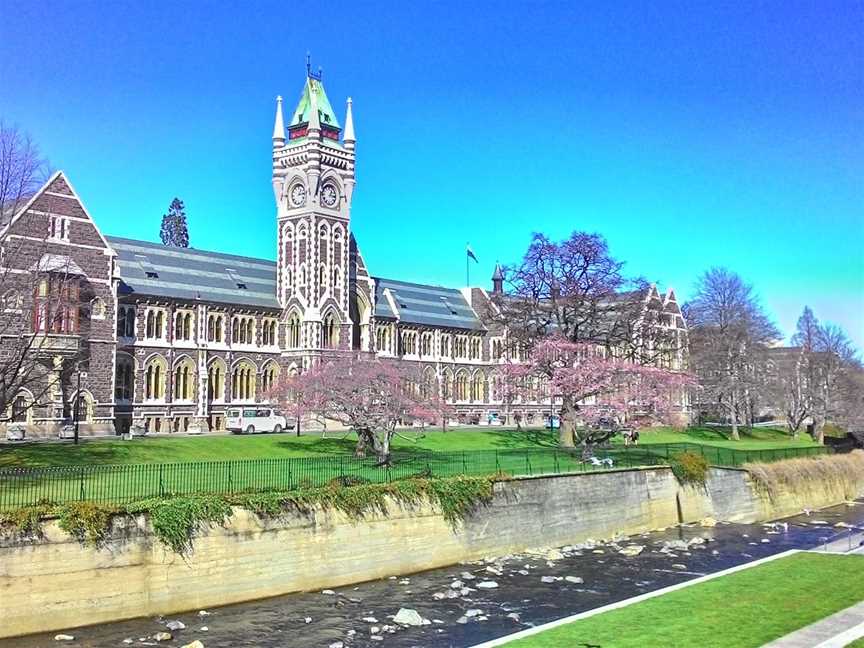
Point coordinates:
[[467, 270]]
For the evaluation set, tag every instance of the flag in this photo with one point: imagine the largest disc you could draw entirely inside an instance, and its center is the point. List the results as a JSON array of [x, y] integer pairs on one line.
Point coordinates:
[[470, 253]]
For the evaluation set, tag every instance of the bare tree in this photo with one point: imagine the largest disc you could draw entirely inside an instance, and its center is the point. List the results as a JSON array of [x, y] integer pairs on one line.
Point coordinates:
[[729, 333], [39, 295]]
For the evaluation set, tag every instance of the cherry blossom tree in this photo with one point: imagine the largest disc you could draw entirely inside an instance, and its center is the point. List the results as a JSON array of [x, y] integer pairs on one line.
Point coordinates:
[[371, 397], [594, 388]]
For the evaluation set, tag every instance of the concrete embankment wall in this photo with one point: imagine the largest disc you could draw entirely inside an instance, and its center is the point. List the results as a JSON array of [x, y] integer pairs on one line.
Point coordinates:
[[54, 582]]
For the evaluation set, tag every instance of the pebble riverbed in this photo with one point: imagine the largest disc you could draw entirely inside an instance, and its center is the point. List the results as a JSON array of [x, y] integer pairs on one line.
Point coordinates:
[[466, 604]]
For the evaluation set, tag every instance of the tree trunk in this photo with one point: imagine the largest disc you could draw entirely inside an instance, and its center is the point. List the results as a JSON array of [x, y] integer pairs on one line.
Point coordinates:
[[363, 443], [383, 448], [734, 414], [566, 424]]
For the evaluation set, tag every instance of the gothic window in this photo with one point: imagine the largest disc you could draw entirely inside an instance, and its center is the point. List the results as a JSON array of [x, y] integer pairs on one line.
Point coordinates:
[[85, 406], [409, 343], [20, 409], [302, 280], [243, 330], [154, 324], [216, 381], [293, 331], [445, 346], [337, 279], [126, 321], [497, 348], [474, 349], [461, 386], [214, 328], [460, 347], [183, 326], [269, 377], [383, 339], [322, 278], [268, 332], [124, 382], [154, 378], [426, 344], [56, 304], [447, 385], [330, 332], [184, 381], [243, 381], [478, 387]]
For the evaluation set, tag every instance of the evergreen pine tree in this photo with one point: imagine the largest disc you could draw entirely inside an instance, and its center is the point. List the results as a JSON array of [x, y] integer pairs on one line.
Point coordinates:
[[174, 230]]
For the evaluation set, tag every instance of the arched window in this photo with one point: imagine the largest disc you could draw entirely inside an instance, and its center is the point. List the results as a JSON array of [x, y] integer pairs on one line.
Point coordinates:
[[322, 278], [445, 346], [20, 410], [426, 344], [447, 385], [337, 278], [269, 376], [461, 386], [330, 332], [478, 387], [184, 380], [150, 328], [124, 382], [154, 378], [85, 408], [243, 381], [216, 381], [183, 326], [293, 331]]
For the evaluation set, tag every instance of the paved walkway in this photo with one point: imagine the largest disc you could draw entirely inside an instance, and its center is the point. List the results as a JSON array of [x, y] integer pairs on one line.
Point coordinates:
[[834, 631]]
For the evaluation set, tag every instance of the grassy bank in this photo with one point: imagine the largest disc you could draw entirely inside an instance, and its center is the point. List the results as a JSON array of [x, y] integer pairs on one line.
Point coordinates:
[[227, 447], [745, 609]]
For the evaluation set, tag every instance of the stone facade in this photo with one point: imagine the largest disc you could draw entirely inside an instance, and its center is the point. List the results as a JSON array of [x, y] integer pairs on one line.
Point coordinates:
[[180, 335]]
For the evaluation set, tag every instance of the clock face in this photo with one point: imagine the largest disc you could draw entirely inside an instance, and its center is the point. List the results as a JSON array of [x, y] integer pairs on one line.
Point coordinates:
[[329, 195], [298, 195]]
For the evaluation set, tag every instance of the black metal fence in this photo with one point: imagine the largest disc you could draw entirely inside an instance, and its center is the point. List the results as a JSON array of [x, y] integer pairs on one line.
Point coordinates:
[[118, 484]]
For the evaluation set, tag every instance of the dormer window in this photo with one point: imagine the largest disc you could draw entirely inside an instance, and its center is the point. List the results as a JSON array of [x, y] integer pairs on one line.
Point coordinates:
[[241, 286], [151, 274]]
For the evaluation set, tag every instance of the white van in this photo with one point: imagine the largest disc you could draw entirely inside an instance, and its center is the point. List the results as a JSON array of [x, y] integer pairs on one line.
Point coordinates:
[[250, 420]]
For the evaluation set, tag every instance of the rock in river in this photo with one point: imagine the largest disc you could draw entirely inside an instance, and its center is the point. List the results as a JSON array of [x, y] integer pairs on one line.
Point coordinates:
[[408, 617]]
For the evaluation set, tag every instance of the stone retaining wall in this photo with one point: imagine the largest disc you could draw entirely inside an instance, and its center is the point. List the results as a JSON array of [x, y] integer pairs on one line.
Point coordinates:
[[54, 582]]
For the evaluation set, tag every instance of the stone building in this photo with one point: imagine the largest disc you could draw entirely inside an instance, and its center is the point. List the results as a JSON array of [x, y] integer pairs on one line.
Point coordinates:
[[171, 337]]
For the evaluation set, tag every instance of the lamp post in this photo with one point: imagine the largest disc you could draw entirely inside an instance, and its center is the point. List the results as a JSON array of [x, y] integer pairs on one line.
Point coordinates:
[[78, 399]]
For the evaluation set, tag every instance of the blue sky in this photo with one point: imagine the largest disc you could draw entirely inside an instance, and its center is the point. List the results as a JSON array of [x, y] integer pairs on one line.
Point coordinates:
[[690, 134]]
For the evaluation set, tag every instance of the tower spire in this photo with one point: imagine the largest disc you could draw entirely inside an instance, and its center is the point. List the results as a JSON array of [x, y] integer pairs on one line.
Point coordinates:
[[278, 125], [348, 137], [498, 279]]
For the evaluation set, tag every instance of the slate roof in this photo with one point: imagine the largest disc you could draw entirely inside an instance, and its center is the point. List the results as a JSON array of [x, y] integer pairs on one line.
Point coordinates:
[[157, 270], [424, 305]]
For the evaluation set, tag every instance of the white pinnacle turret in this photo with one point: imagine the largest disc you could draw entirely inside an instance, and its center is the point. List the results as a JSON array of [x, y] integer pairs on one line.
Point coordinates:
[[348, 137], [314, 120], [279, 124]]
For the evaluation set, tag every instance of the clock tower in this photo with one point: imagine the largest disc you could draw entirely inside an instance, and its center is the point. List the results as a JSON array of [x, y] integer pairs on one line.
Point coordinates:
[[313, 182]]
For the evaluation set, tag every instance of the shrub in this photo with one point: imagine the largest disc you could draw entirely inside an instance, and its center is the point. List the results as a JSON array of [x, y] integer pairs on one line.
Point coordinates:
[[689, 468]]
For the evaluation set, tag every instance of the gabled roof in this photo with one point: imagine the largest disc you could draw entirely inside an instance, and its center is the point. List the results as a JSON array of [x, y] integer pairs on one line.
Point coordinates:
[[424, 305], [326, 114], [156, 270]]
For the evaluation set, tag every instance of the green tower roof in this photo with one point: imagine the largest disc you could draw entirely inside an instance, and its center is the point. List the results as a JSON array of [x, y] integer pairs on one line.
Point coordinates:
[[326, 115]]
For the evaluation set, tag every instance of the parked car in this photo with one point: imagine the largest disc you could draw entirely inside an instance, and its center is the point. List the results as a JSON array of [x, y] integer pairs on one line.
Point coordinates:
[[15, 432], [249, 420]]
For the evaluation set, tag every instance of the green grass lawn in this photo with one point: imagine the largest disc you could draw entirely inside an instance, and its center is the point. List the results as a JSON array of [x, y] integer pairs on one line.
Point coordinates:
[[858, 643], [110, 470], [233, 447], [746, 609]]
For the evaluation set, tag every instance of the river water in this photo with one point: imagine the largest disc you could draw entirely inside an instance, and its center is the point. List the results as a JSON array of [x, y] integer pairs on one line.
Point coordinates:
[[361, 616]]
